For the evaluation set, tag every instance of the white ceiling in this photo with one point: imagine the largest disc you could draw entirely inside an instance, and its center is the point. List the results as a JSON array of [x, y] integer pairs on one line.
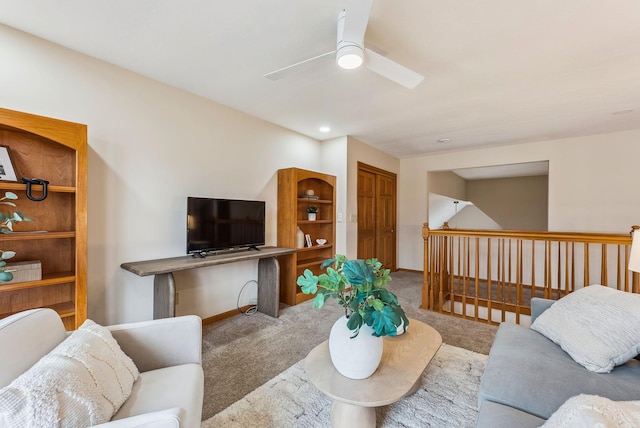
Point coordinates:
[[496, 71]]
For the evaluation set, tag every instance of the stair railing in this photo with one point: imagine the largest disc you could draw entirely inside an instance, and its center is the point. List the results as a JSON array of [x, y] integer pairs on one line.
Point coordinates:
[[491, 275]]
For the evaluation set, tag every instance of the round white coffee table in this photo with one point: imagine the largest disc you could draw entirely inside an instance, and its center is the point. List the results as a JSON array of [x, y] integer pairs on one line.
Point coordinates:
[[404, 358]]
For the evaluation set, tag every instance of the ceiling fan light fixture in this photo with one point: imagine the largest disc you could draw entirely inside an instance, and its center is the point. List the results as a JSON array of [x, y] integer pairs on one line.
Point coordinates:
[[350, 56]]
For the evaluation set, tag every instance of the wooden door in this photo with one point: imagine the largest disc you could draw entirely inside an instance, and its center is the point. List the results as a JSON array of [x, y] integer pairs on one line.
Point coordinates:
[[366, 215], [386, 220], [377, 215]]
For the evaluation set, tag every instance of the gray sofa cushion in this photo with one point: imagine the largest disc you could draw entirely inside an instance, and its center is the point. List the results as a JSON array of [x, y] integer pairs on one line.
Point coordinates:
[[527, 371], [494, 415]]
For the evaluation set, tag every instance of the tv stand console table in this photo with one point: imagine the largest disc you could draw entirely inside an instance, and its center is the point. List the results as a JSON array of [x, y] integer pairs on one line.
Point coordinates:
[[164, 287]]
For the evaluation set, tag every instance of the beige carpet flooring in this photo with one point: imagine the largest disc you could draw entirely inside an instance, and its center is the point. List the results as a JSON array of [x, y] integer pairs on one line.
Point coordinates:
[[243, 352], [447, 396]]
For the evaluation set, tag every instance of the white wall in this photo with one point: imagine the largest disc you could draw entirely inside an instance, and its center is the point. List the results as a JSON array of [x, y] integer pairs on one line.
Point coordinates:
[[471, 217], [446, 183], [516, 203], [150, 146], [334, 161], [443, 208], [592, 184]]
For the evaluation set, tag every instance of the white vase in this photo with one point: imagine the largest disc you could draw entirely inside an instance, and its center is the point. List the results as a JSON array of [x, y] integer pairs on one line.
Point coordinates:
[[300, 238], [312, 216], [356, 358]]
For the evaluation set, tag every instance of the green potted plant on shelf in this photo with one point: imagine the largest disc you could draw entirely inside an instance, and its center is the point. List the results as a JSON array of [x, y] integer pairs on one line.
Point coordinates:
[[312, 211], [6, 226], [371, 311]]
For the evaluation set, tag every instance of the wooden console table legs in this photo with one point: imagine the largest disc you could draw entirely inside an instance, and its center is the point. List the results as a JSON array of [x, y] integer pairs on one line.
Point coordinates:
[[164, 296], [269, 286], [164, 290]]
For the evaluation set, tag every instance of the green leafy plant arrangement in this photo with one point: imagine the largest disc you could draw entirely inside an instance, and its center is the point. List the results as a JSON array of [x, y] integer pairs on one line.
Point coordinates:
[[312, 209], [359, 286], [6, 226]]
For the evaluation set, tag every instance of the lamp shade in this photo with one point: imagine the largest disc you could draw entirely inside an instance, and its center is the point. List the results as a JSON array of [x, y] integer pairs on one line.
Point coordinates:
[[634, 256]]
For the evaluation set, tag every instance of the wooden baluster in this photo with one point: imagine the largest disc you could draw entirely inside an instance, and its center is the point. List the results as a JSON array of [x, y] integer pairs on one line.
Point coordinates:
[[533, 266], [511, 281], [586, 264], [468, 265], [477, 278], [559, 283], [549, 274], [501, 270], [626, 263], [518, 279], [436, 272], [451, 276], [635, 276], [457, 272], [425, 267], [465, 273], [604, 277], [432, 270], [545, 269], [573, 266], [489, 283], [619, 284], [566, 271], [440, 270]]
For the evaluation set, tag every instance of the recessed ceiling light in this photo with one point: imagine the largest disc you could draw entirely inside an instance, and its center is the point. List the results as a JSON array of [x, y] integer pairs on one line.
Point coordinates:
[[622, 112], [325, 129], [444, 140]]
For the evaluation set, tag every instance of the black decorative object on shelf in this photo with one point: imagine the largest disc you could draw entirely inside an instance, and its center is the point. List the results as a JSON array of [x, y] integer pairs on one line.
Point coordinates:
[[30, 182]]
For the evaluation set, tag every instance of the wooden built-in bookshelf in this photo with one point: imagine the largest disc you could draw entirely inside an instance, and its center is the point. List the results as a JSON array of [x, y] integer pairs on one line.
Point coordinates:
[[55, 151], [292, 213]]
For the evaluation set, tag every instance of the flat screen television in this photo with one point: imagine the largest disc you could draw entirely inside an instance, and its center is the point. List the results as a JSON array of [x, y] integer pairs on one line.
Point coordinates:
[[224, 224]]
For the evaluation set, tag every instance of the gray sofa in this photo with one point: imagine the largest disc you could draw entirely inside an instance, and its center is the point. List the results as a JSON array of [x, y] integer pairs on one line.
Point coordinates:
[[528, 377], [167, 353]]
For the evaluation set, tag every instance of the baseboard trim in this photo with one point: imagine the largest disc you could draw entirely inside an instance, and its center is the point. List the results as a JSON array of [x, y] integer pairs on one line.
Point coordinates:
[[224, 315], [410, 270]]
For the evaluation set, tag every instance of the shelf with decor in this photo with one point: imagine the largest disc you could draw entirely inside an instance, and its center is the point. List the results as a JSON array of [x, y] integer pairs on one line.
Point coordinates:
[[46, 149], [297, 191], [36, 187], [314, 248]]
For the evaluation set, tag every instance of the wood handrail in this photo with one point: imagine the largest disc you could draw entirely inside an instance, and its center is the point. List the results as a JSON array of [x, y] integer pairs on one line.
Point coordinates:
[[598, 238], [491, 275]]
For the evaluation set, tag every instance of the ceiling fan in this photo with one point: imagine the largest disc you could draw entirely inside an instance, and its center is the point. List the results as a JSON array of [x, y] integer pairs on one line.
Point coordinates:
[[351, 53]]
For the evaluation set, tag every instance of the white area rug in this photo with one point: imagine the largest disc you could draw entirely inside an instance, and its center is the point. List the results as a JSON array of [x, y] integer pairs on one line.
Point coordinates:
[[447, 398]]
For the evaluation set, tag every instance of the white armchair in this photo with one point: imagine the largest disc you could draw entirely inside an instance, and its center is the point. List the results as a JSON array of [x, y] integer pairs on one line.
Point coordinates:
[[167, 353]]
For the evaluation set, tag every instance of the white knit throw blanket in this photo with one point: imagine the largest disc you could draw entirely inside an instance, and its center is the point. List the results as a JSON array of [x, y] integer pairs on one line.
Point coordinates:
[[82, 382], [594, 411]]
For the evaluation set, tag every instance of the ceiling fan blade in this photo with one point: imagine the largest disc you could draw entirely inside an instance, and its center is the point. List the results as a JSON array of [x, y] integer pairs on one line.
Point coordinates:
[[299, 67], [391, 70], [356, 20]]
